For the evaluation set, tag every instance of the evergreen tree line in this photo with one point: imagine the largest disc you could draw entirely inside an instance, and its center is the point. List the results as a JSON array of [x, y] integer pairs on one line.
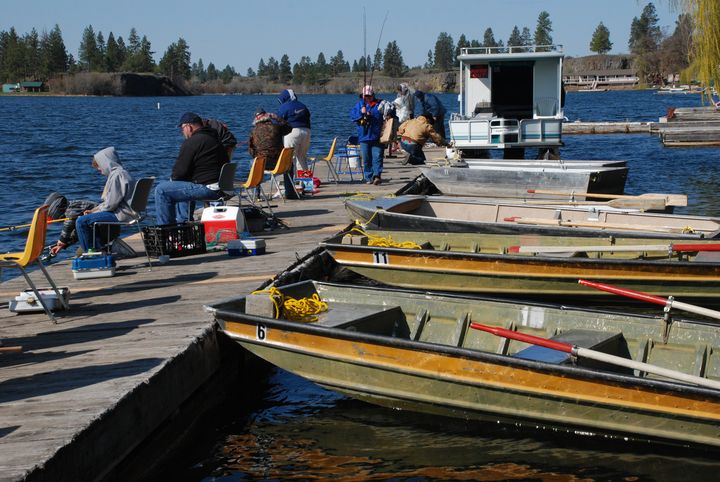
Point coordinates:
[[42, 56]]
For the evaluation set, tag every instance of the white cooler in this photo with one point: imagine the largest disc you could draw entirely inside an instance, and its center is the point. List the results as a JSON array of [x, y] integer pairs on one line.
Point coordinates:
[[26, 302]]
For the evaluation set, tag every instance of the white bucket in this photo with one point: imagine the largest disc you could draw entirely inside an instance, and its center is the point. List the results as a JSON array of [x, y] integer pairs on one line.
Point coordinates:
[[353, 157]]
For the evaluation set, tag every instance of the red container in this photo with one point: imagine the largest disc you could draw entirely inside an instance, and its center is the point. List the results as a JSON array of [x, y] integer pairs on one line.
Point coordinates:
[[222, 223]]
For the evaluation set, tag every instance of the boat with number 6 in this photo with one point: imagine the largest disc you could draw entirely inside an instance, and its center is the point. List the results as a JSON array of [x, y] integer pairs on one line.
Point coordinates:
[[418, 351]]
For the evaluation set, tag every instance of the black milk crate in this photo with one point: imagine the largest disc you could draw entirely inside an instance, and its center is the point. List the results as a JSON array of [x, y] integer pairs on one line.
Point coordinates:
[[174, 240]]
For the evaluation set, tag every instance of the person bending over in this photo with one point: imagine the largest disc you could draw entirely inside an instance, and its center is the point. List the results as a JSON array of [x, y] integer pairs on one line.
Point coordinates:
[[413, 135]]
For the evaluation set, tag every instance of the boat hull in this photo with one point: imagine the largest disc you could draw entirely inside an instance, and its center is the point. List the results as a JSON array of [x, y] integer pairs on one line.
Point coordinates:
[[450, 377], [457, 215], [500, 181]]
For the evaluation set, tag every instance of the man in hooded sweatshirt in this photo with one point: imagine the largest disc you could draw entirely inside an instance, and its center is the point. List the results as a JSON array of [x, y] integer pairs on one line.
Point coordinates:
[[297, 115], [195, 173], [115, 199]]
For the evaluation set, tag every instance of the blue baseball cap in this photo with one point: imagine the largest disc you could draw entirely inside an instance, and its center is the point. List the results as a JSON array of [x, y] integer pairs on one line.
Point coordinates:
[[189, 118]]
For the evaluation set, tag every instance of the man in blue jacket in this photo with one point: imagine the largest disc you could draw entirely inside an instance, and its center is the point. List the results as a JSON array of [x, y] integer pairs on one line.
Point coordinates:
[[430, 104], [297, 115], [369, 119]]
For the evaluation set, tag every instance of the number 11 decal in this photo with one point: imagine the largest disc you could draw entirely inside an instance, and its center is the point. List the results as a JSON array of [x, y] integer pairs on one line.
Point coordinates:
[[380, 257]]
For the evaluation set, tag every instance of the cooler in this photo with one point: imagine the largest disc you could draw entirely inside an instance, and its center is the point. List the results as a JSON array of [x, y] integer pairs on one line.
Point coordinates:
[[222, 223], [26, 302], [246, 247], [93, 265]]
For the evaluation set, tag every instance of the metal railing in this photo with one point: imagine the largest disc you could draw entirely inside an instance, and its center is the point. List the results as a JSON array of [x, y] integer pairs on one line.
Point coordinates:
[[511, 50]]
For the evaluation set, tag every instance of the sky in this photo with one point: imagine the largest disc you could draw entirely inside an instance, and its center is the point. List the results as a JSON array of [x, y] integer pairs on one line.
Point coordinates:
[[241, 32]]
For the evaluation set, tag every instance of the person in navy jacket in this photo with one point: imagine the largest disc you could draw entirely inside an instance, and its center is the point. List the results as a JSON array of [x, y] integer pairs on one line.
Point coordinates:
[[297, 115], [369, 119], [430, 104]]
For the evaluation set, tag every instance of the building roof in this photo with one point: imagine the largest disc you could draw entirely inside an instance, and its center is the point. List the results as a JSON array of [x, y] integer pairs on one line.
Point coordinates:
[[31, 84]]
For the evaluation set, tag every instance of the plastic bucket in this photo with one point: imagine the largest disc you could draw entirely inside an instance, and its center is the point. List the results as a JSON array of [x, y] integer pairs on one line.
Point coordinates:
[[353, 157]]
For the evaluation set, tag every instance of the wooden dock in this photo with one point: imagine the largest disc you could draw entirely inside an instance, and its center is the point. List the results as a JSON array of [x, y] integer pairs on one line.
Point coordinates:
[[571, 128], [689, 127], [82, 394]]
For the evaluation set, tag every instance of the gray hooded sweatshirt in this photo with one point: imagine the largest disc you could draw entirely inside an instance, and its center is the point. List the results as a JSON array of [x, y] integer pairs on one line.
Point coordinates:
[[118, 187]]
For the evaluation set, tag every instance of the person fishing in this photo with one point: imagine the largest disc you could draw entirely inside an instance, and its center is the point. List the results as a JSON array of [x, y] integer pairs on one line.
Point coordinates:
[[58, 208], [369, 119]]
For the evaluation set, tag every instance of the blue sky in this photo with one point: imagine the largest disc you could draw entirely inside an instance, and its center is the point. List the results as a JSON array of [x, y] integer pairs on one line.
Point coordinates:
[[240, 32]]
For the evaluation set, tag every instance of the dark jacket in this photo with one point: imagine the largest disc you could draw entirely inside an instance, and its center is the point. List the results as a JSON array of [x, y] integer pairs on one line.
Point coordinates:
[[430, 104], [201, 157], [372, 129], [227, 139], [266, 138], [292, 110]]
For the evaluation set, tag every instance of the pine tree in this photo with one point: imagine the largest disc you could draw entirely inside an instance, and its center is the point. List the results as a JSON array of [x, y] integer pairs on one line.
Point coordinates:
[[12, 56], [175, 63], [461, 44], [444, 52], [489, 38], [262, 68], [145, 56], [88, 52], [525, 37], [33, 56], [321, 66], [542, 31], [429, 62], [393, 65], [600, 42], [212, 73], [55, 56], [250, 72], [113, 56], [285, 70], [515, 39], [645, 38], [100, 61], [227, 74], [273, 69]]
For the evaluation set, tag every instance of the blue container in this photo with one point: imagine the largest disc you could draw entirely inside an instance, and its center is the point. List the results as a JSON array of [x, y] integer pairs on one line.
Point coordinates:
[[92, 265]]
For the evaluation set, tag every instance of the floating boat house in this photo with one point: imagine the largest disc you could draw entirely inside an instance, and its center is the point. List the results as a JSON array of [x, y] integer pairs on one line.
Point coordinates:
[[510, 98]]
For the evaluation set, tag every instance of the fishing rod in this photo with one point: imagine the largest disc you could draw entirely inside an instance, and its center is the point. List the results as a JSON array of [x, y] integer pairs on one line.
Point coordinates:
[[13, 228], [372, 70]]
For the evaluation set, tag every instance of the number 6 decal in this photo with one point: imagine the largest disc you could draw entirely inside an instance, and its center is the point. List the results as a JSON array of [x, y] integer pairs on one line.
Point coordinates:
[[261, 332], [380, 257]]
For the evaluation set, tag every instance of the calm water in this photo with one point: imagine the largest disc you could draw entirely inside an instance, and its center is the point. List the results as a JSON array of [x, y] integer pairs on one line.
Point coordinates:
[[292, 428]]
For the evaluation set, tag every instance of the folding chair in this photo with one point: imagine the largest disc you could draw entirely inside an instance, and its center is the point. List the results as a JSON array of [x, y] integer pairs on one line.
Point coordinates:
[[254, 182], [138, 203], [282, 166], [31, 254], [345, 154], [225, 184], [328, 161]]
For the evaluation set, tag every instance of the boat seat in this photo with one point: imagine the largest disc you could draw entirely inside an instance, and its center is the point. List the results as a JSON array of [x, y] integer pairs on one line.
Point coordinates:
[[363, 318], [607, 342]]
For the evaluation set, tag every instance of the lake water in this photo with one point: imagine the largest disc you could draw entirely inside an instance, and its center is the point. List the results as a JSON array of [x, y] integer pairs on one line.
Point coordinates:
[[291, 428]]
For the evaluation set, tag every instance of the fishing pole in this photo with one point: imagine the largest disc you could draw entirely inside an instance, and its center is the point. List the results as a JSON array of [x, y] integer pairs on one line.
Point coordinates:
[[372, 70], [13, 228]]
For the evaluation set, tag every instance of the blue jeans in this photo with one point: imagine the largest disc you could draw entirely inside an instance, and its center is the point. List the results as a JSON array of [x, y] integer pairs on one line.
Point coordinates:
[[172, 199], [415, 151], [372, 153], [84, 228]]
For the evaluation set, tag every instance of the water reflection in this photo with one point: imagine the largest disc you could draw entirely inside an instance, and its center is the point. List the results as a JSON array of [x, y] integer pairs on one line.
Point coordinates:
[[300, 431]]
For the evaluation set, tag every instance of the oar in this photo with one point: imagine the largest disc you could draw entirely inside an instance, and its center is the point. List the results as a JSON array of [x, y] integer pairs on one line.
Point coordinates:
[[591, 224], [658, 300], [13, 228], [669, 199], [598, 356], [669, 248], [646, 204]]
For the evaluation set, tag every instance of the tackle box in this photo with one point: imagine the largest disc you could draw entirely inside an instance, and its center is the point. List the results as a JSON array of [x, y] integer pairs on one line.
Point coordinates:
[[246, 247], [27, 302], [93, 265]]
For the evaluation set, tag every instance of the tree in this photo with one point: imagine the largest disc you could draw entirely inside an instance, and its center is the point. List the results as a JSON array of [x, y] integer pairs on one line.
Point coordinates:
[[262, 68], [250, 72], [525, 37], [706, 43], [430, 61], [273, 69], [100, 60], [645, 38], [55, 56], [212, 73], [113, 55], [600, 42], [12, 56], [444, 52], [227, 74], [675, 50], [489, 38], [321, 66], [32, 54], [393, 65], [461, 44], [338, 63], [542, 30], [133, 42], [88, 53], [377, 64], [285, 72], [515, 39], [175, 63]]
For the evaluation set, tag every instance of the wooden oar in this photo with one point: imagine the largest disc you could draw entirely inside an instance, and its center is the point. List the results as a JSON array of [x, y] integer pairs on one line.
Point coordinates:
[[591, 224], [658, 300], [646, 204], [13, 228], [668, 248], [669, 199], [599, 356]]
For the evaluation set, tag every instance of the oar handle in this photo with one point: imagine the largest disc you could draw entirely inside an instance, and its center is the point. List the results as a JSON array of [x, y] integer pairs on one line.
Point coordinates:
[[637, 295], [525, 338], [695, 247]]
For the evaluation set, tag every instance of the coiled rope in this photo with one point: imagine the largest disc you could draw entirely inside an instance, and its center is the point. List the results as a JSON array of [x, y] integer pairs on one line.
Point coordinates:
[[304, 309], [388, 242]]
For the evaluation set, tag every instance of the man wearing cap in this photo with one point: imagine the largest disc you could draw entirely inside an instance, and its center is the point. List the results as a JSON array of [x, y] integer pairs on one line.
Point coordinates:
[[369, 119], [195, 173], [297, 115]]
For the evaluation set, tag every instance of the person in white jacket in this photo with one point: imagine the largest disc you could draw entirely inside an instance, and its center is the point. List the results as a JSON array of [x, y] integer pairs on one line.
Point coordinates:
[[115, 198], [404, 103]]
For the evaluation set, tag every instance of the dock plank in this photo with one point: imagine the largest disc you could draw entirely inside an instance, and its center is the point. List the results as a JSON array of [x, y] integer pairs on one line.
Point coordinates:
[[83, 393]]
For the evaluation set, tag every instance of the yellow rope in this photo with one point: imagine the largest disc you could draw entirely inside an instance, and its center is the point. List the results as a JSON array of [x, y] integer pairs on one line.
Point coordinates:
[[388, 242], [688, 230], [304, 309]]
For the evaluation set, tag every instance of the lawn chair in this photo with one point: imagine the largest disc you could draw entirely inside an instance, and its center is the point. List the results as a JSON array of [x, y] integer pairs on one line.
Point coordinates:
[[348, 155], [31, 254], [254, 183], [138, 203], [329, 159], [282, 166]]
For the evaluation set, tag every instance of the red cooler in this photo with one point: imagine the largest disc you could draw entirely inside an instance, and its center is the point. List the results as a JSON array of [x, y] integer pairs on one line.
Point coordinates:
[[222, 223]]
